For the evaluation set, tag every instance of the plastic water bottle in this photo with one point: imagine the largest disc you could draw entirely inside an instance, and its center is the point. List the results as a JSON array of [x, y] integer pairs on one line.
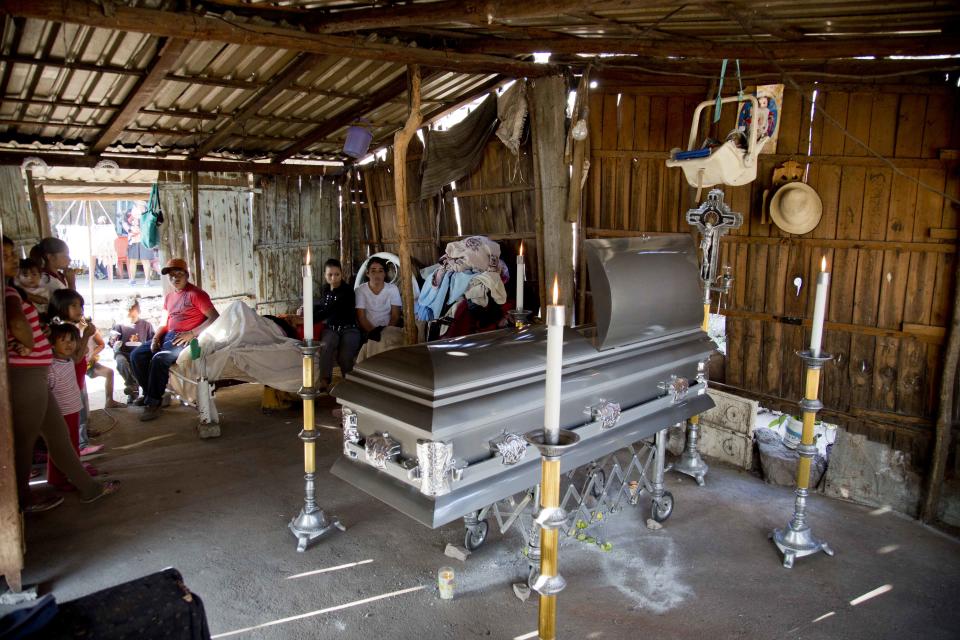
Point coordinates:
[[195, 349]]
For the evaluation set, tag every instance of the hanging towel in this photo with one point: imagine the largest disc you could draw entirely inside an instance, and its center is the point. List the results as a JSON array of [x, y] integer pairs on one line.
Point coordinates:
[[452, 154], [512, 113]]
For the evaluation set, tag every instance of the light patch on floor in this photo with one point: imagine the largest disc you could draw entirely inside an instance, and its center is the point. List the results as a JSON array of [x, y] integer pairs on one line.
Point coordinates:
[[143, 442], [329, 569], [318, 612], [871, 594]]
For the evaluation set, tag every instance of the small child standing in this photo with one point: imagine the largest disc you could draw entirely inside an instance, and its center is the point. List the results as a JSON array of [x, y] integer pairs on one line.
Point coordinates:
[[62, 381], [29, 280], [124, 338]]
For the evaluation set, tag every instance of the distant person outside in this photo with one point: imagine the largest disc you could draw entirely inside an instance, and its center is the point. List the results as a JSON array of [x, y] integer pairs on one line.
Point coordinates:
[[189, 311]]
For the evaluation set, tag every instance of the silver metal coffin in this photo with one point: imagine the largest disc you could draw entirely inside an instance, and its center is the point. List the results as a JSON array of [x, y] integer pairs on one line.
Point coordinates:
[[458, 408]]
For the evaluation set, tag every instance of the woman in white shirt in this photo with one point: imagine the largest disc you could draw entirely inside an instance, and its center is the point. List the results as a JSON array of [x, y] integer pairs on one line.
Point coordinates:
[[378, 310]]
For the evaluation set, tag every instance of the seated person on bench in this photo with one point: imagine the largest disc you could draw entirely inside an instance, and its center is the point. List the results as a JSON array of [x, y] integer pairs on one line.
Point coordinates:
[[189, 311], [378, 310]]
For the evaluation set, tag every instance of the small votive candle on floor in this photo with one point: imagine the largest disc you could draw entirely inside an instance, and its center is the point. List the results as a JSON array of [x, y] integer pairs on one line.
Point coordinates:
[[445, 582]]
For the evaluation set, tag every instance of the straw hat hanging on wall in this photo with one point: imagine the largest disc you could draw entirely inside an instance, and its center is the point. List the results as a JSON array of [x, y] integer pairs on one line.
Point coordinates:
[[796, 208]]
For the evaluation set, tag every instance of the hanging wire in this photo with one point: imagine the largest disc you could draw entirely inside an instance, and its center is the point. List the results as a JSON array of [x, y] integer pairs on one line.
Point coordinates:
[[826, 116]]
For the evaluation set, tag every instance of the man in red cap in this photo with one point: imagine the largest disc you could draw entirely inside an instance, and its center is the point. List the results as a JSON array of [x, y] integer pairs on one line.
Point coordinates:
[[189, 312]]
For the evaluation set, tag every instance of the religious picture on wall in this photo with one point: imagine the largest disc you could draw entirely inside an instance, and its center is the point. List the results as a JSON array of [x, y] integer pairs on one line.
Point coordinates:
[[769, 99]]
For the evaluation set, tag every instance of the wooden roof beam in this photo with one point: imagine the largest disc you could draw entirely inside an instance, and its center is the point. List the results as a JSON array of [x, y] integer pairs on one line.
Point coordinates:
[[750, 17], [386, 94], [168, 164], [297, 67], [808, 49], [142, 93], [478, 12], [178, 24]]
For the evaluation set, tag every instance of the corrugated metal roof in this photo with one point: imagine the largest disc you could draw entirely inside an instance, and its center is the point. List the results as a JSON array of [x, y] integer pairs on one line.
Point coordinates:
[[63, 83]]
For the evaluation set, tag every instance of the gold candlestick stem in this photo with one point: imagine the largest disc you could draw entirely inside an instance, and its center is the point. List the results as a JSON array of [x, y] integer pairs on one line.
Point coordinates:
[[312, 522]]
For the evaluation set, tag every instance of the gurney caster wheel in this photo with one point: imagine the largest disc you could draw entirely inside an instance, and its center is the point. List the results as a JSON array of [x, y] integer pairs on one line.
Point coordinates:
[[661, 509], [476, 536]]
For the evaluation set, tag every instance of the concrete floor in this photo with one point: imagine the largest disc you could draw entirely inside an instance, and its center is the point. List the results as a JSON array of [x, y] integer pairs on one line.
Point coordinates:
[[217, 510]]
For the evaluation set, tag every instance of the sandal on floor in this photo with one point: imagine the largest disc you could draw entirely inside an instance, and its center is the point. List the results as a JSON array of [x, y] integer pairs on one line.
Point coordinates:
[[108, 488], [43, 504]]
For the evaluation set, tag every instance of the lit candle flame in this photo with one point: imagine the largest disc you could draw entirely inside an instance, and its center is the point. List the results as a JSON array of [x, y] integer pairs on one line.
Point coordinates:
[[823, 263], [308, 257], [556, 290], [521, 248]]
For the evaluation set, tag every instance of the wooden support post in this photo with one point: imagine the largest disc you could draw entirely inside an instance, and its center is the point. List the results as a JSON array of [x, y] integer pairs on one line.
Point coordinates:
[[547, 122], [11, 524], [941, 441], [39, 205], [346, 227], [400, 143], [537, 212], [195, 227]]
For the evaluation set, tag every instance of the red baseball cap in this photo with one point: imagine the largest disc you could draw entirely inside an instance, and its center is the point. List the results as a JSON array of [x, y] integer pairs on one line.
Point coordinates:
[[175, 263]]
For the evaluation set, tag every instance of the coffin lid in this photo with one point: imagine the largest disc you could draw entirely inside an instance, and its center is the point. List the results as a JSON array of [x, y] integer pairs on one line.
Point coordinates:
[[643, 287]]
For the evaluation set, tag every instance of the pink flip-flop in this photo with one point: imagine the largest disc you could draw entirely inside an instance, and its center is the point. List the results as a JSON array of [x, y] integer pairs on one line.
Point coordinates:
[[89, 450], [109, 487]]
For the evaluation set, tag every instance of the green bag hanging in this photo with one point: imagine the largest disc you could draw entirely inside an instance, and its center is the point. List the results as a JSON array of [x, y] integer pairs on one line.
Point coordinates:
[[150, 221]]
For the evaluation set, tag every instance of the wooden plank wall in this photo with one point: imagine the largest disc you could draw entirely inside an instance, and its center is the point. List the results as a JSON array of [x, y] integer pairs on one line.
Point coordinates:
[[496, 200], [629, 188], [226, 241], [20, 224], [290, 214], [380, 212], [889, 244]]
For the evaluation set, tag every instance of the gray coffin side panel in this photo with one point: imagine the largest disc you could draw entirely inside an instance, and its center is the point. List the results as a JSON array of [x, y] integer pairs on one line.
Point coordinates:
[[435, 512]]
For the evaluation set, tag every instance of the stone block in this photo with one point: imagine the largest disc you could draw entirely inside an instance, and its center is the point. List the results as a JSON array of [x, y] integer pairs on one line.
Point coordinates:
[[779, 464], [726, 446], [731, 413], [872, 473]]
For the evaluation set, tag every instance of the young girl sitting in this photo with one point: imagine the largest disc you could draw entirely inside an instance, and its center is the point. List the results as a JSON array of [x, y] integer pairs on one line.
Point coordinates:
[[62, 381], [29, 280], [341, 336]]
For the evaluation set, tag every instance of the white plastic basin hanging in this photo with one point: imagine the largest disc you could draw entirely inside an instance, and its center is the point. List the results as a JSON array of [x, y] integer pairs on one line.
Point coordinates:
[[727, 164]]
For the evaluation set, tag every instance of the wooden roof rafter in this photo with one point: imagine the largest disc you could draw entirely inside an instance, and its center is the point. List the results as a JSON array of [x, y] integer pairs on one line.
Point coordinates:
[[167, 56], [477, 12], [179, 24], [296, 68], [387, 93]]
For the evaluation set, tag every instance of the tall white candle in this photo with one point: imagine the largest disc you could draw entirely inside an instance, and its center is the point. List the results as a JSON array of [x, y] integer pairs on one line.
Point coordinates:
[[521, 275], [307, 298], [819, 307], [551, 402]]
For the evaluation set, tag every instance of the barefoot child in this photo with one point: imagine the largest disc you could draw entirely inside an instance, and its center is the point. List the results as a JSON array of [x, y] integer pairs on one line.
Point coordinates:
[[62, 381]]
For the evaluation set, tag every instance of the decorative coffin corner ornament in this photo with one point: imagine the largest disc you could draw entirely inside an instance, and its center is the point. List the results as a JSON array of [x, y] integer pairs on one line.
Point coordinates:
[[606, 413], [351, 435], [436, 465], [511, 447], [379, 448], [676, 387]]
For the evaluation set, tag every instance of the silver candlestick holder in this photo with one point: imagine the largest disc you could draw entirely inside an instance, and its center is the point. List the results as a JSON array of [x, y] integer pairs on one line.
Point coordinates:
[[312, 523], [796, 540], [519, 318], [690, 462]]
